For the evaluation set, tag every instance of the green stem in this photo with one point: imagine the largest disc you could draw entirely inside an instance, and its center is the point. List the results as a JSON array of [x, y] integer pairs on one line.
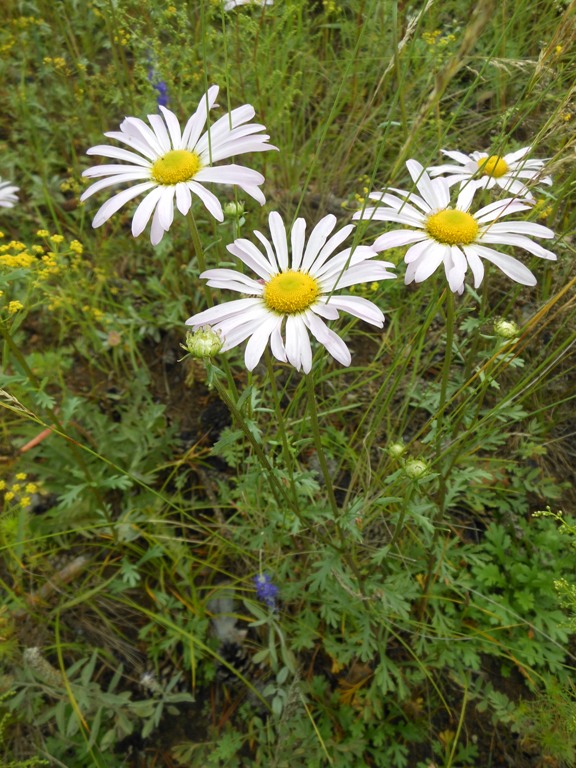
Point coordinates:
[[446, 368], [288, 456], [313, 413], [279, 493]]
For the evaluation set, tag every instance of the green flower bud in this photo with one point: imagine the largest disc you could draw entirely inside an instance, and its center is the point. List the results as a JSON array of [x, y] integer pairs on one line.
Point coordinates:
[[506, 329], [396, 450], [203, 342], [416, 468], [234, 210]]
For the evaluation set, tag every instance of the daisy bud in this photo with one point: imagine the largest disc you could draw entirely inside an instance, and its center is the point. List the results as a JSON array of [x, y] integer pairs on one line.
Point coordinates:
[[416, 468], [234, 210], [506, 329], [396, 450], [203, 343]]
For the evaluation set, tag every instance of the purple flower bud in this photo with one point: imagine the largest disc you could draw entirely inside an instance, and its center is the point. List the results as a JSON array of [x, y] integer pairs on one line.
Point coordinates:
[[266, 591]]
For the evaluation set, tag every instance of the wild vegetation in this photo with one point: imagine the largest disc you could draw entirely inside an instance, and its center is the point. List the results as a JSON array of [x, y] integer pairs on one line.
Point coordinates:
[[237, 549]]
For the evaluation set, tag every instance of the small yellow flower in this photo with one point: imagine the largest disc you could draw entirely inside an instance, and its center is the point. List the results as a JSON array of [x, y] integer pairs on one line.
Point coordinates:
[[8, 496], [15, 306], [21, 476], [31, 488], [76, 246], [1, 235], [25, 502], [16, 487], [56, 238], [37, 249], [2, 485], [43, 233]]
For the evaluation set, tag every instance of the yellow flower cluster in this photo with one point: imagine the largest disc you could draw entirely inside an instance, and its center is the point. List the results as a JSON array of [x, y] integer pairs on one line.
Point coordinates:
[[19, 492], [14, 255], [57, 62], [330, 6], [24, 22], [122, 37], [14, 306], [436, 38]]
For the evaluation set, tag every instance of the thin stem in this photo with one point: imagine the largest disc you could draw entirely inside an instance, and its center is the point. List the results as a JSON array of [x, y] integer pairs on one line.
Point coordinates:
[[288, 456], [278, 491], [313, 413], [445, 369]]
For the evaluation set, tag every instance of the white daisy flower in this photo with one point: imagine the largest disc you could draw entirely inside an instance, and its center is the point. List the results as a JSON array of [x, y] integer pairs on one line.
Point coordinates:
[[230, 4], [174, 164], [294, 291], [510, 172], [451, 235], [8, 196]]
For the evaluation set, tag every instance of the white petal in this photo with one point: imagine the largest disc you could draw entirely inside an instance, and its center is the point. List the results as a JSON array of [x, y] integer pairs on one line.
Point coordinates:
[[457, 271], [220, 312], [183, 198], [173, 127], [387, 214], [159, 127], [330, 340], [325, 308], [124, 172], [277, 345], [359, 307], [156, 228], [316, 268], [500, 208], [415, 252], [365, 272], [316, 241], [210, 201], [509, 265], [459, 157], [521, 228], [115, 203], [254, 192], [297, 240], [397, 238], [251, 256], [297, 346], [230, 174], [430, 261], [278, 233], [196, 123], [520, 241], [165, 208], [117, 153], [514, 156], [230, 279], [144, 211], [259, 341], [475, 263], [133, 126], [436, 193], [110, 182]]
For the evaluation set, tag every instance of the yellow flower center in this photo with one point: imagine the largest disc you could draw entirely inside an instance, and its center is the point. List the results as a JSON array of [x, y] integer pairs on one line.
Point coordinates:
[[291, 292], [452, 227], [176, 165], [494, 166]]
